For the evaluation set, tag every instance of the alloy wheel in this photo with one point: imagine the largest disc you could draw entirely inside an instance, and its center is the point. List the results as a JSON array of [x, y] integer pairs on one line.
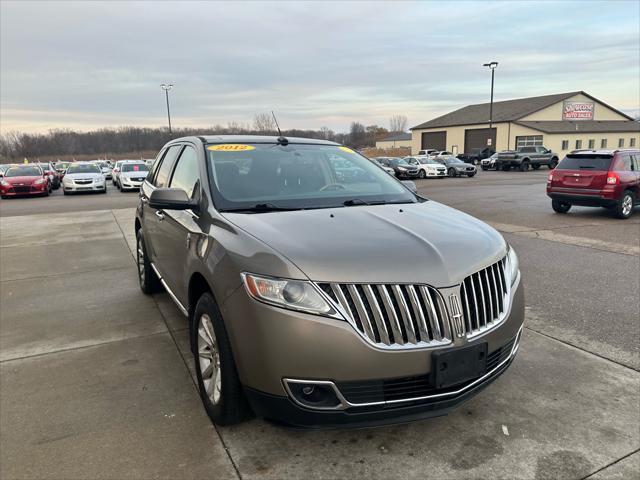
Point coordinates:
[[627, 205], [209, 359], [140, 260]]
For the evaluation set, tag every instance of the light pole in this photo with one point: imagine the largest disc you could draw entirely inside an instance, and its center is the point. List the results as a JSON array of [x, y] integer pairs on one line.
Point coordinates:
[[166, 89], [492, 66]]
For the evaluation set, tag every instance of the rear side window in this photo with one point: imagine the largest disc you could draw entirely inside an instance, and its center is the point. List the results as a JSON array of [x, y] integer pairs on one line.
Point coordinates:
[[625, 163], [162, 177], [585, 162], [186, 174]]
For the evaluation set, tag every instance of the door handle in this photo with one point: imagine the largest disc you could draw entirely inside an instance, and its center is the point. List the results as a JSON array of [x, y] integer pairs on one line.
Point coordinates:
[[160, 215]]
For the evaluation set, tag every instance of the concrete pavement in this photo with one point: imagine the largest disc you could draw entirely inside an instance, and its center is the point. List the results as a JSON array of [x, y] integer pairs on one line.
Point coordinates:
[[96, 378]]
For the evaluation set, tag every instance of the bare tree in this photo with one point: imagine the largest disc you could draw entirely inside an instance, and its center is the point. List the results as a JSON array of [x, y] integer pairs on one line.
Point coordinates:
[[398, 123], [263, 123], [327, 133]]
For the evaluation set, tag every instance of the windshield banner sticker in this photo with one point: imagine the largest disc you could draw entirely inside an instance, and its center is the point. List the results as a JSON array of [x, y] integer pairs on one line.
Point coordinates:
[[230, 147]]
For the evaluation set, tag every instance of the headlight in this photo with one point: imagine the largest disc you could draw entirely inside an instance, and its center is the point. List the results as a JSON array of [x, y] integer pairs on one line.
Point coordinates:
[[5, 184], [512, 264], [402, 169], [39, 181], [291, 294]]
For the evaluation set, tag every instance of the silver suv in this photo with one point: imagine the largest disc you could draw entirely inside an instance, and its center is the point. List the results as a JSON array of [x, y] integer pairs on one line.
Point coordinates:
[[319, 289]]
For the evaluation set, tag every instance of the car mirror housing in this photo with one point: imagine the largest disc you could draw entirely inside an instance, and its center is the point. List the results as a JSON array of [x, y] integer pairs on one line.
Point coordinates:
[[410, 185], [171, 199]]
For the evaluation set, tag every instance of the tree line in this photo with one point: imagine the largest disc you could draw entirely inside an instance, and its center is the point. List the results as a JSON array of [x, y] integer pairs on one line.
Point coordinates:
[[112, 141]]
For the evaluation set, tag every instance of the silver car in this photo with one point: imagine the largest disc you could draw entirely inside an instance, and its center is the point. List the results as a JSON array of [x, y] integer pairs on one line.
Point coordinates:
[[319, 298], [131, 175], [83, 177]]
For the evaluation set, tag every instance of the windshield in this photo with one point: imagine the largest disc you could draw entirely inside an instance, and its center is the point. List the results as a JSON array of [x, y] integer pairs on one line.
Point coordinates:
[[429, 161], [26, 171], [298, 176], [83, 168], [134, 167], [398, 161], [585, 162]]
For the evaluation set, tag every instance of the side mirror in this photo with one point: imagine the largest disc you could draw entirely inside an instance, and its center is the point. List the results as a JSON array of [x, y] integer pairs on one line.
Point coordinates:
[[410, 185], [171, 199]]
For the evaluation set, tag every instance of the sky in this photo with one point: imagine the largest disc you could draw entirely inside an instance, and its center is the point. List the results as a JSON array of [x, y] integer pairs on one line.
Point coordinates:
[[87, 65]]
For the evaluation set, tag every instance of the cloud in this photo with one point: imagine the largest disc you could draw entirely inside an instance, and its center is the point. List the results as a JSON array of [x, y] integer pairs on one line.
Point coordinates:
[[92, 64]]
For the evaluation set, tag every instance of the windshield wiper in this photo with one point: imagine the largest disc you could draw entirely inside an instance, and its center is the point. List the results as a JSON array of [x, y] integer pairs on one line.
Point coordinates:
[[357, 201], [261, 208]]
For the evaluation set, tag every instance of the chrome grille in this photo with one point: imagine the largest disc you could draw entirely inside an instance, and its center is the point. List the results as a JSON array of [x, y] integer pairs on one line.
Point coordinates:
[[393, 315], [485, 298]]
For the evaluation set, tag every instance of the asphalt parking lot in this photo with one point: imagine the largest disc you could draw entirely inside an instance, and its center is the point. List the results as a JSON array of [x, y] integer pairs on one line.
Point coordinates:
[[96, 379]]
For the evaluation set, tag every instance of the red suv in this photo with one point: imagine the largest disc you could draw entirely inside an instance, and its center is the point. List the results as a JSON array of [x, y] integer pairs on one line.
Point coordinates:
[[597, 178]]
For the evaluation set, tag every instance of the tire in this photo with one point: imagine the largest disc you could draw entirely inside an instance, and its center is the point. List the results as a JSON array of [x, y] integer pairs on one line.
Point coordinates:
[[147, 278], [506, 168], [485, 168], [222, 396], [64, 192], [421, 174], [451, 172], [535, 167], [624, 208], [560, 207], [553, 164], [524, 166], [470, 175]]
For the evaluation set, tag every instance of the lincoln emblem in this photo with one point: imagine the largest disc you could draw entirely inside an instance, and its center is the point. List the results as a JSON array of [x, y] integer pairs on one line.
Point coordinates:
[[456, 315]]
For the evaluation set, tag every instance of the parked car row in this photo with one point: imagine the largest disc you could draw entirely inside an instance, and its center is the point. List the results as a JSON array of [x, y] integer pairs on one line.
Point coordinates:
[[434, 165], [42, 177]]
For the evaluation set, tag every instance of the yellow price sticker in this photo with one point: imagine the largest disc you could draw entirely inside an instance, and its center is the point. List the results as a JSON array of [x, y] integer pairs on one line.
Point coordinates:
[[230, 147], [346, 149]]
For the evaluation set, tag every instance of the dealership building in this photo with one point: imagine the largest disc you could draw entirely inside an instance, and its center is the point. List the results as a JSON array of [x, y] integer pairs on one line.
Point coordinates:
[[396, 140], [562, 122]]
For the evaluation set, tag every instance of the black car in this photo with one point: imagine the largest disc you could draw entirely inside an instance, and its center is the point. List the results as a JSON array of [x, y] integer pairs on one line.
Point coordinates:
[[401, 168], [476, 155]]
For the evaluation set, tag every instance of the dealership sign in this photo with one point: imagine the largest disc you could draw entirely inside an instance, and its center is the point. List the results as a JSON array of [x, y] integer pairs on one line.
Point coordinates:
[[577, 110]]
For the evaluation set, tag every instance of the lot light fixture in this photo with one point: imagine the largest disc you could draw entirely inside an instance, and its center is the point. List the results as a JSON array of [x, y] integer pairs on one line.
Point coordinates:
[[166, 88], [492, 66]]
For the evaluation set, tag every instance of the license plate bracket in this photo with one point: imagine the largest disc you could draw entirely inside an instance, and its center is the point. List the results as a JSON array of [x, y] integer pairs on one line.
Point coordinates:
[[454, 367]]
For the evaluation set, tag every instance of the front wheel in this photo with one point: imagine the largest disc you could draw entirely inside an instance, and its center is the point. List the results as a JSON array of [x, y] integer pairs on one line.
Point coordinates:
[[560, 207], [149, 281], [506, 168], [535, 167], [421, 174], [471, 175], [624, 208], [485, 168], [218, 380], [452, 172], [524, 166]]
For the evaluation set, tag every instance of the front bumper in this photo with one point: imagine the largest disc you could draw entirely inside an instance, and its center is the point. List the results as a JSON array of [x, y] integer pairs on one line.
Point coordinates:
[[283, 344], [90, 187], [129, 184], [24, 191], [436, 173]]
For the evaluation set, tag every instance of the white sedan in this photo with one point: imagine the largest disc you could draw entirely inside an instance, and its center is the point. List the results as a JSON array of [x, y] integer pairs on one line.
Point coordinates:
[[84, 177], [427, 167], [131, 175]]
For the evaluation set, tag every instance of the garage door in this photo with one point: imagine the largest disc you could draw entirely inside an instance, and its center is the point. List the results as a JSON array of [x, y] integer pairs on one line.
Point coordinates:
[[436, 140], [477, 138]]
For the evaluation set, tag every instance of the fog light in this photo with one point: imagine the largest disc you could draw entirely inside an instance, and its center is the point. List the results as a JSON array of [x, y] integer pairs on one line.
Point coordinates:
[[318, 395]]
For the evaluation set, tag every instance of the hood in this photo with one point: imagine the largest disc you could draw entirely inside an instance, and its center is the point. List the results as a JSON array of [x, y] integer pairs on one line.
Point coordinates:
[[413, 243], [26, 180]]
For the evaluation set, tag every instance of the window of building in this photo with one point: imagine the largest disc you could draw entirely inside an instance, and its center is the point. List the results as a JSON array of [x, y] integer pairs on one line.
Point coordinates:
[[565, 144], [620, 142], [632, 142], [578, 144], [529, 141], [592, 144], [603, 143]]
